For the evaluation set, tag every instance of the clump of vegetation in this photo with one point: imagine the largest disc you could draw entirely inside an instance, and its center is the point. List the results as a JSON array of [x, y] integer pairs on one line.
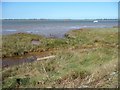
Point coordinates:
[[84, 59], [21, 43]]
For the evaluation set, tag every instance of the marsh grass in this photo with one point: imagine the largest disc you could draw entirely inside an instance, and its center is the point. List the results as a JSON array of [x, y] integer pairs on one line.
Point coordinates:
[[84, 58]]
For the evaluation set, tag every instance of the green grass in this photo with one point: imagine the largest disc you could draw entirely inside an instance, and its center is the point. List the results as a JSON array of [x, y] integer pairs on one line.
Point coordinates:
[[20, 44], [82, 56]]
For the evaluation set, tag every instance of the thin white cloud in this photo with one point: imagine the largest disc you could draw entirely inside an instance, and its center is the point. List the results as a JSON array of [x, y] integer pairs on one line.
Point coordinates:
[[60, 0]]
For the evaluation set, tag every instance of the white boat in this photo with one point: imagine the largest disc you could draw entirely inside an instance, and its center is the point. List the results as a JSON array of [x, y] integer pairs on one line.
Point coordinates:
[[95, 21]]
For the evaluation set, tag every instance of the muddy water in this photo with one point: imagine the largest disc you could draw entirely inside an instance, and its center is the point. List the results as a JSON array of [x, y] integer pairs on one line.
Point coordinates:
[[6, 62], [31, 57]]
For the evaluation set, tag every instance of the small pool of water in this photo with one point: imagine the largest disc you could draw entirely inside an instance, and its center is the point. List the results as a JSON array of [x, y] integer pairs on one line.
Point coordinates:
[[29, 58]]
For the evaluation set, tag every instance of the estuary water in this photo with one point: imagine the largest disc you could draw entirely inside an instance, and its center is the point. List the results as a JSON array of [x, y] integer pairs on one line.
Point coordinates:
[[56, 28]]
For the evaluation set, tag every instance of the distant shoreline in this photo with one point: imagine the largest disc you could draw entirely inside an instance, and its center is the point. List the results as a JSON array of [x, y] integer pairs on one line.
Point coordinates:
[[59, 19]]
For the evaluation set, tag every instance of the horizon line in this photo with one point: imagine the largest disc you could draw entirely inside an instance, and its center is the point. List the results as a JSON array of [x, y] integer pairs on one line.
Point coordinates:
[[58, 18]]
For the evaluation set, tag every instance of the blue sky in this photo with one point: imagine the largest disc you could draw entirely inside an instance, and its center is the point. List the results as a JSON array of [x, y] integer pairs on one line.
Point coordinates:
[[60, 10]]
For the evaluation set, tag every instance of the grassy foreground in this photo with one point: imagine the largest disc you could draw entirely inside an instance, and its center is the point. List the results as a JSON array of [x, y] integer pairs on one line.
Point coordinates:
[[84, 58]]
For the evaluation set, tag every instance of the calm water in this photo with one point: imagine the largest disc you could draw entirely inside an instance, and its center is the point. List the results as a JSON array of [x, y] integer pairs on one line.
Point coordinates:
[[48, 28]]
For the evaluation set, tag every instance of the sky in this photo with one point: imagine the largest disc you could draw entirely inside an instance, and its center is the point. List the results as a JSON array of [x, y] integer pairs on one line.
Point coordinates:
[[59, 10]]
